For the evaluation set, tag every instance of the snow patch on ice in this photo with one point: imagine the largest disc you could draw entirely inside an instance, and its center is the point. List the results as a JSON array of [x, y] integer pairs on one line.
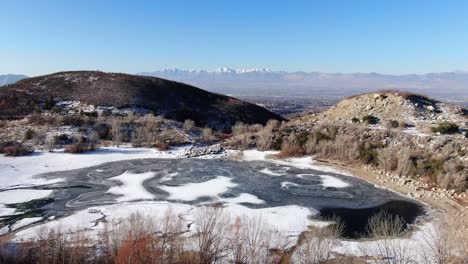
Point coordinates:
[[270, 172], [329, 181], [22, 195], [20, 171], [244, 198], [193, 191], [132, 186]]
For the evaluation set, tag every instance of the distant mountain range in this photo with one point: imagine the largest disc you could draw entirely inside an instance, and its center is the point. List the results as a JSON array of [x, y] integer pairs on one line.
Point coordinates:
[[11, 78], [265, 81]]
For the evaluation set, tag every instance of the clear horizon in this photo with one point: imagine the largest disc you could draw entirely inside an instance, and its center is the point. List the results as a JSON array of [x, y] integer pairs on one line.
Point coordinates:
[[396, 38]]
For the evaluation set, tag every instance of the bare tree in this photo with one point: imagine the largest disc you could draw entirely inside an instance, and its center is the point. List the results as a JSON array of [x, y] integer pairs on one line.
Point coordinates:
[[212, 227]]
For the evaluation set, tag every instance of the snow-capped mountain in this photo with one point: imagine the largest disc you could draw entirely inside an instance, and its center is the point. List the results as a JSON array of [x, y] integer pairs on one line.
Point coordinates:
[[261, 81]]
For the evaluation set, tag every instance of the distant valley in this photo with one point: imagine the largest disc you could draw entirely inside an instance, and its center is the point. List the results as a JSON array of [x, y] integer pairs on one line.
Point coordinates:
[[447, 86]]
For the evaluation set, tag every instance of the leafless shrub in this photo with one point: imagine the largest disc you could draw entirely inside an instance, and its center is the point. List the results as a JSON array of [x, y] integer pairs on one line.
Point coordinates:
[[272, 124], [388, 246], [15, 149], [239, 129], [188, 125], [116, 131], [40, 136], [250, 241], [212, 234], [255, 128], [264, 139], [318, 244], [344, 148], [437, 244], [207, 134], [143, 239], [291, 147], [387, 158], [77, 148], [405, 164]]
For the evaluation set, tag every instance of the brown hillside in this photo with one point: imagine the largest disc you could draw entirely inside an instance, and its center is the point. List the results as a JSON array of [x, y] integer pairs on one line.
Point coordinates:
[[174, 100]]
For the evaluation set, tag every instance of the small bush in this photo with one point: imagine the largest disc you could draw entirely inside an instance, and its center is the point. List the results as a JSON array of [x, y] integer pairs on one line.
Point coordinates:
[[103, 131], [71, 120], [29, 134], [355, 120], [278, 142], [11, 149], [89, 114], [62, 139], [207, 134], [368, 154], [78, 148], [446, 128], [369, 119], [49, 103], [162, 146], [291, 151], [188, 125], [393, 124]]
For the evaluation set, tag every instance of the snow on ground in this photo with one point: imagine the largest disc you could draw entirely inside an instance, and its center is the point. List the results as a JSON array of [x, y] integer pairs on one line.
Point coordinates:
[[4, 211], [22, 195], [25, 222], [301, 163], [20, 171], [193, 191], [244, 198], [253, 154], [289, 220], [19, 196], [131, 188], [414, 246]]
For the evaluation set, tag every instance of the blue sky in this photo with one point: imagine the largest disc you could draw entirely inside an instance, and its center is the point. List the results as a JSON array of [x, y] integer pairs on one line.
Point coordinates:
[[387, 36]]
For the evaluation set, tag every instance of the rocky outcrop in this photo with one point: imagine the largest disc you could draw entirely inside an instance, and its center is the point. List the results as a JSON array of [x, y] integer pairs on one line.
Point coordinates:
[[199, 151]]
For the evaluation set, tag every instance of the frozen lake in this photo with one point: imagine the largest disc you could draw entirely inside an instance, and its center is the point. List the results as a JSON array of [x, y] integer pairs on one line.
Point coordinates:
[[280, 190]]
